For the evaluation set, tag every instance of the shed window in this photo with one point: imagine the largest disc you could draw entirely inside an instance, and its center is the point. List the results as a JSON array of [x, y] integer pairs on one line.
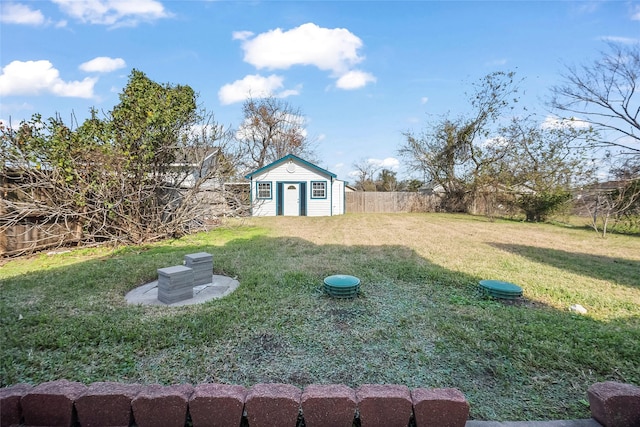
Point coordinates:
[[319, 190], [264, 190]]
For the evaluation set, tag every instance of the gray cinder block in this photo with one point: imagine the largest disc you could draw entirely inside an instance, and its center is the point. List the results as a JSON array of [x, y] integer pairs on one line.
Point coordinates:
[[202, 265], [175, 284]]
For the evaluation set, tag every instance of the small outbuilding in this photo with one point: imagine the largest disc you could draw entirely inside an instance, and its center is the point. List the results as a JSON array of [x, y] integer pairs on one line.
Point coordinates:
[[291, 186]]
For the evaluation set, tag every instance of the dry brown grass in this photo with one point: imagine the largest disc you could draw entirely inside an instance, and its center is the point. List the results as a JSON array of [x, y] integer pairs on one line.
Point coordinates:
[[542, 258]]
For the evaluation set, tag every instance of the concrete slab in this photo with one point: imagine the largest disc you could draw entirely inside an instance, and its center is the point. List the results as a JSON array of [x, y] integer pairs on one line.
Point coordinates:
[[220, 286], [562, 423]]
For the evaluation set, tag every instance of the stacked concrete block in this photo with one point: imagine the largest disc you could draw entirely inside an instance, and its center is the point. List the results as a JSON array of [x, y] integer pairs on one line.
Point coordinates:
[[202, 265], [175, 284]]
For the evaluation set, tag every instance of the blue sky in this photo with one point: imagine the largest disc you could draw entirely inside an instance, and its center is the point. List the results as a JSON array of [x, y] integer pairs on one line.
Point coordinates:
[[361, 72]]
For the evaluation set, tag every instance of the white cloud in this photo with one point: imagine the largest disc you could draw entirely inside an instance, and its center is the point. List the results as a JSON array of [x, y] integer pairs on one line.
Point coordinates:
[[103, 64], [256, 86], [16, 13], [241, 35], [113, 12], [328, 49], [551, 122], [390, 163], [635, 13], [354, 174], [40, 77], [424, 100], [354, 80], [623, 40]]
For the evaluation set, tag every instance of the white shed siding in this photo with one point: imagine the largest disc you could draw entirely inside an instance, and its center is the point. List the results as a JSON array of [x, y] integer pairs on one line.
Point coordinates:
[[332, 204], [337, 197]]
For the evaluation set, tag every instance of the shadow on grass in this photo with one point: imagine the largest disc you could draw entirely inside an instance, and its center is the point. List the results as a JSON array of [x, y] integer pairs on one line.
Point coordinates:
[[617, 270], [415, 323]]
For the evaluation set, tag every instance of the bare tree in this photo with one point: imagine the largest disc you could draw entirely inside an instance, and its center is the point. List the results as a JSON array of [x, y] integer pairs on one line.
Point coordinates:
[[606, 95], [452, 153], [615, 201], [365, 174], [387, 181], [271, 129]]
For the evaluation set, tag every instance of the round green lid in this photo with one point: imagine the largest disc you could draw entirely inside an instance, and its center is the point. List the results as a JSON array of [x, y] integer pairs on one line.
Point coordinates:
[[500, 286], [341, 280]]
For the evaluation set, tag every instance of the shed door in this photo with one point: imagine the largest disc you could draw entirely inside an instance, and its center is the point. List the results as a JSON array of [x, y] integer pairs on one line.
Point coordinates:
[[291, 200]]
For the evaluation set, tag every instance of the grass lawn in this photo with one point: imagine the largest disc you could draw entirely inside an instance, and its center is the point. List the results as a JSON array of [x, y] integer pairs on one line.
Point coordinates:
[[419, 320]]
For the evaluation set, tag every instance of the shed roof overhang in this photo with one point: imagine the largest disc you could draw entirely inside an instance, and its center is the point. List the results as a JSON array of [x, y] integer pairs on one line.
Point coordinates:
[[287, 158]]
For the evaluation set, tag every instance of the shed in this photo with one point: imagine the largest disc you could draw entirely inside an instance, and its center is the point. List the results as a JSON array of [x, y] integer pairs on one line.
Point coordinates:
[[292, 186]]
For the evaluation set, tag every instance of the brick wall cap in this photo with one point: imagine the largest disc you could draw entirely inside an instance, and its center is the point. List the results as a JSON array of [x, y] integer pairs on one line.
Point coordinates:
[[153, 391], [219, 390], [108, 388], [274, 390], [70, 389], [608, 389], [449, 394], [15, 390], [383, 390], [328, 391]]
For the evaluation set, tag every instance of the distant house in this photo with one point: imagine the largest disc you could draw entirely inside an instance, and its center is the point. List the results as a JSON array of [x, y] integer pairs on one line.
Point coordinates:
[[292, 186]]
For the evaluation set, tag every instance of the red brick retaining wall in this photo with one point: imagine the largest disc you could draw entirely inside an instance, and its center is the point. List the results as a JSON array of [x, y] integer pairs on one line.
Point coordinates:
[[65, 403]]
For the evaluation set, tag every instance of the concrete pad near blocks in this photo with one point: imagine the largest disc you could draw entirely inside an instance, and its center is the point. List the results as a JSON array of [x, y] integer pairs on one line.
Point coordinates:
[[219, 287]]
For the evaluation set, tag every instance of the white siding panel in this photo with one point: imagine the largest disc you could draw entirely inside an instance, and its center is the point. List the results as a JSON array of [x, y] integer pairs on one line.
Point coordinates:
[[337, 197], [263, 207]]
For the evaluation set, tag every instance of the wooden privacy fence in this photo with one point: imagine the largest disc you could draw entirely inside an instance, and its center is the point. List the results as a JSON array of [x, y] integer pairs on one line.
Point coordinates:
[[31, 235], [389, 202]]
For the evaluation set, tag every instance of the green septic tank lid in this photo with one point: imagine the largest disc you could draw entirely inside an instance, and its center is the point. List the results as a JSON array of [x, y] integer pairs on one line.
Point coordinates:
[[342, 280], [501, 289]]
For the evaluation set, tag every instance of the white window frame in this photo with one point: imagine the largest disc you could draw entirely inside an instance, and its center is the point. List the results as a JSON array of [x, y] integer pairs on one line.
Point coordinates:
[[266, 187], [323, 189]]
